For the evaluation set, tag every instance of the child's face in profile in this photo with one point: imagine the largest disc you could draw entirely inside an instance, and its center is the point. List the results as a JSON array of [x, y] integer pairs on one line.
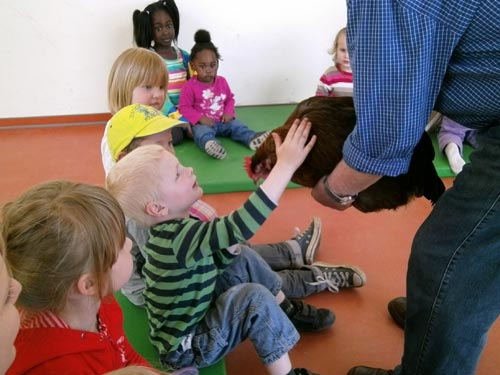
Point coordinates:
[[163, 29], [9, 316], [342, 55], [205, 64], [151, 95], [122, 269], [177, 186]]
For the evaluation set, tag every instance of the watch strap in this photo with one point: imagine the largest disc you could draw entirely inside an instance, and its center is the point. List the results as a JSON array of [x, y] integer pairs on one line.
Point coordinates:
[[343, 200]]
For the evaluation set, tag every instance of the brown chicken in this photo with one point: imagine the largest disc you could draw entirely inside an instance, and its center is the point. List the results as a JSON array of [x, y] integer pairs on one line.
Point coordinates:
[[333, 119]]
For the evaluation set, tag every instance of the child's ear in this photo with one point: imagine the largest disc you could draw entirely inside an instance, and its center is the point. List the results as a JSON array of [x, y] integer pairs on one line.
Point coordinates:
[[156, 209], [121, 155], [87, 285]]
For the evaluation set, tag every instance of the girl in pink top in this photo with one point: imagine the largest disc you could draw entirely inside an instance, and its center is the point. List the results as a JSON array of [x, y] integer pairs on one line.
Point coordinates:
[[337, 79], [208, 104]]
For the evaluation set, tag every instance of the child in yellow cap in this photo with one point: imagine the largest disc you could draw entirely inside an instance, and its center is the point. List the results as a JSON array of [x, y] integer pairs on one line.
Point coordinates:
[[128, 128]]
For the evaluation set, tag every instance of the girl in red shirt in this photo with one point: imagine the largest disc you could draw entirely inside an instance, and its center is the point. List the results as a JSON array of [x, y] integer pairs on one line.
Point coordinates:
[[66, 245]]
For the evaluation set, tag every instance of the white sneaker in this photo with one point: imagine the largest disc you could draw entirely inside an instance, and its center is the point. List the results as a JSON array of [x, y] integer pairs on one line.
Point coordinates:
[[215, 150], [257, 140]]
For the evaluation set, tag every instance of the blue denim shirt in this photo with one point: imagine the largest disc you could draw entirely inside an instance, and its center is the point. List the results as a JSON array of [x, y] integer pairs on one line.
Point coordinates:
[[410, 56]]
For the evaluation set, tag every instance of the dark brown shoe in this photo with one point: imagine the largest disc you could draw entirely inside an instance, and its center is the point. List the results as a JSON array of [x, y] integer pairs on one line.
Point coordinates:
[[397, 310], [362, 370]]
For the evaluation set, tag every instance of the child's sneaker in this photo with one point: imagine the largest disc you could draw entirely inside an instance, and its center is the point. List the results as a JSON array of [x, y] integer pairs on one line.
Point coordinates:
[[215, 150], [307, 318], [337, 276], [309, 240], [257, 140], [303, 371]]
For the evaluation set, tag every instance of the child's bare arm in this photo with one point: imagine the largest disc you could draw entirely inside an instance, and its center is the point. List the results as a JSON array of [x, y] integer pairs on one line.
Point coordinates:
[[290, 155]]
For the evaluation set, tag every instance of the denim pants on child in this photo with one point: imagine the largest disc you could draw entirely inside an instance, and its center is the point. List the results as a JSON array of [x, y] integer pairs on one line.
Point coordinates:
[[453, 283], [244, 307], [235, 129], [296, 282]]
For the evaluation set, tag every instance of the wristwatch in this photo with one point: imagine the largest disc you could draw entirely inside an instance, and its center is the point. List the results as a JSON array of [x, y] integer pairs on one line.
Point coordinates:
[[343, 200]]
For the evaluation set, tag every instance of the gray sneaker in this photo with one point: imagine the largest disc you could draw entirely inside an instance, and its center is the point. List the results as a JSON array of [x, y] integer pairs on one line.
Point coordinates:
[[309, 240], [215, 150], [257, 140], [338, 276]]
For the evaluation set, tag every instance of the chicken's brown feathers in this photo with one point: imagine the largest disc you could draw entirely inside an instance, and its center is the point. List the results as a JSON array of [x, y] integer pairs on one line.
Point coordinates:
[[333, 119]]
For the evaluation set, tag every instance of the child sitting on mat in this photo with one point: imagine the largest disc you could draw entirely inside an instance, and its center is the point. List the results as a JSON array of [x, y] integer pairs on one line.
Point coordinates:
[[157, 28], [208, 103], [200, 280], [451, 137], [65, 243], [337, 79]]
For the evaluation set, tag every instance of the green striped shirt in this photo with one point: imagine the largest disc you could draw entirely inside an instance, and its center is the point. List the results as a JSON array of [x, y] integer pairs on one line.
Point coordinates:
[[183, 259]]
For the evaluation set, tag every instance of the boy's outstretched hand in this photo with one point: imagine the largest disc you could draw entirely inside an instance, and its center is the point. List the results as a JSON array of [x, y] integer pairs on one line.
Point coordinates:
[[290, 155], [294, 150]]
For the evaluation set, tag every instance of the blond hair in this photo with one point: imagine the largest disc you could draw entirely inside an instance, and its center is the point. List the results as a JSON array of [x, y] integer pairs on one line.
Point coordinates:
[[133, 68], [333, 51], [133, 181], [54, 233]]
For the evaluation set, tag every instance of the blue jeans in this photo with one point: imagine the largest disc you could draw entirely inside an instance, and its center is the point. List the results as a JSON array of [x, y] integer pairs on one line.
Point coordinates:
[[244, 307], [296, 282], [453, 281], [235, 129]]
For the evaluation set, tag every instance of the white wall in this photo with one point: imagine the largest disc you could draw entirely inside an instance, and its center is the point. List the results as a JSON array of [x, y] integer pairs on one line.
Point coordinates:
[[56, 54]]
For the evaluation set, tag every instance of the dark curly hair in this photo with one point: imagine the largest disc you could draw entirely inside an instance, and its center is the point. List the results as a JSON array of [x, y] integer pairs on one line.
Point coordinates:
[[202, 41], [143, 28]]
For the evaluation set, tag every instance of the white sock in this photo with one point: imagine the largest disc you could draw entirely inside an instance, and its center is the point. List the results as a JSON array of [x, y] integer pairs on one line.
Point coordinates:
[[455, 160]]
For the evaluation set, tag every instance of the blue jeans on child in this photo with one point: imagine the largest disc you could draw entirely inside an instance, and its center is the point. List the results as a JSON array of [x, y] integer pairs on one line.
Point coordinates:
[[296, 281], [453, 283], [234, 129], [244, 306]]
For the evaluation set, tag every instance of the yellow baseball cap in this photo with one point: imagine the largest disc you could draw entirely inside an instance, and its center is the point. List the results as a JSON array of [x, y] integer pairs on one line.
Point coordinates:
[[132, 121]]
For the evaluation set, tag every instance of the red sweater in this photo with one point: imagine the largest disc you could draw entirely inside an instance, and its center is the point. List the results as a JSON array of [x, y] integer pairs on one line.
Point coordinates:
[[67, 351]]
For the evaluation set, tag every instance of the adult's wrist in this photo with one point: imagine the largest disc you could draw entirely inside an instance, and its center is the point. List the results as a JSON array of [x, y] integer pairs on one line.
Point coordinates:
[[341, 199]]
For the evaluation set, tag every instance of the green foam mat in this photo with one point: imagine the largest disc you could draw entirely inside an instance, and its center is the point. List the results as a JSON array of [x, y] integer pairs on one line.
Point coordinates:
[[136, 329], [228, 175]]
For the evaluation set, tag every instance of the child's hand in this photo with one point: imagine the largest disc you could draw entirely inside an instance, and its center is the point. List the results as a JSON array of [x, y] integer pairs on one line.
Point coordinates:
[[227, 118], [204, 120], [294, 150], [290, 153], [189, 131]]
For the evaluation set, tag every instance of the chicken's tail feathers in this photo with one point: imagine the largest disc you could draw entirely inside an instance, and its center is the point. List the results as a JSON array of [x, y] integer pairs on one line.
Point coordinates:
[[434, 187]]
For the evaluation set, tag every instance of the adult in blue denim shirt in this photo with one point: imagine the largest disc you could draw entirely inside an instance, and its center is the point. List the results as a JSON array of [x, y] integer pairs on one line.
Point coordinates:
[[441, 54]]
